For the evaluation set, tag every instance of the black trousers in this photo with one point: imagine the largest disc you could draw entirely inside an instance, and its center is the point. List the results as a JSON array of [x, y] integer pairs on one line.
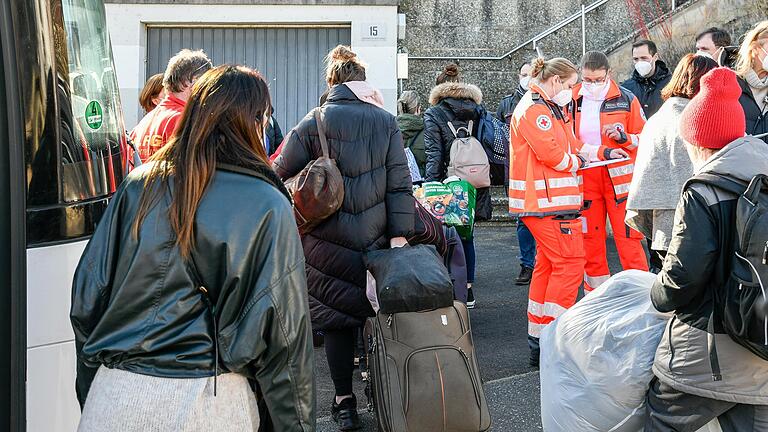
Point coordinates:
[[340, 351], [669, 410]]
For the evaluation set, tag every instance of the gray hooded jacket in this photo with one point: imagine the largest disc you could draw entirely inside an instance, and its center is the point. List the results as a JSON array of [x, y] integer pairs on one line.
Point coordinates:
[[697, 264]]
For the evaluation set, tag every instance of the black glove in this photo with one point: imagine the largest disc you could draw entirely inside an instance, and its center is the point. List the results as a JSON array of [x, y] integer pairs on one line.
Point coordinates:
[[582, 161], [623, 138]]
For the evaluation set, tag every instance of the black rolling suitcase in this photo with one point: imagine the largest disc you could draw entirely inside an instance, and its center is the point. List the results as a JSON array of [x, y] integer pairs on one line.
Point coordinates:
[[422, 374]]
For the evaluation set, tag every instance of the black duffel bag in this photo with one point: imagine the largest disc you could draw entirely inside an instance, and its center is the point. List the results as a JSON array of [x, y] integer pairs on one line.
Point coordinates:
[[410, 279]]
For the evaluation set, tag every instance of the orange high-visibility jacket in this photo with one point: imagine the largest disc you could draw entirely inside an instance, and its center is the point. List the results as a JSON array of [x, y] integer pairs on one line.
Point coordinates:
[[621, 108], [543, 177]]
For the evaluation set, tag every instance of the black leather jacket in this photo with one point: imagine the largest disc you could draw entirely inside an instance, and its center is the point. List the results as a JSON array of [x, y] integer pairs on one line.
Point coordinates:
[[135, 306]]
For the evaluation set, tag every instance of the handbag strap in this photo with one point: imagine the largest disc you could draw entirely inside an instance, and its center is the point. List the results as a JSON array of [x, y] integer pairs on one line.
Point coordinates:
[[321, 134], [197, 280]]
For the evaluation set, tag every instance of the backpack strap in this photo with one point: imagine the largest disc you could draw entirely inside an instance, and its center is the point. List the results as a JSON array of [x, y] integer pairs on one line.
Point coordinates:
[[321, 134], [756, 186], [413, 139], [453, 129], [719, 181]]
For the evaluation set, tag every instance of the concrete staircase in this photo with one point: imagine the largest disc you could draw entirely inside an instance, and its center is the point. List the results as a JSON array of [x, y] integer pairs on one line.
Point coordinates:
[[500, 209]]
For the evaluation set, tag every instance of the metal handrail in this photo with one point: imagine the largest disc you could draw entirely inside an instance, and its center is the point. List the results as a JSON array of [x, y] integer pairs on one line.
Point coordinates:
[[533, 40]]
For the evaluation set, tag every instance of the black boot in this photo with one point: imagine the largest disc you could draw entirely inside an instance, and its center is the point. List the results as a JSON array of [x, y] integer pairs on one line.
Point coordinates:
[[526, 273], [345, 414]]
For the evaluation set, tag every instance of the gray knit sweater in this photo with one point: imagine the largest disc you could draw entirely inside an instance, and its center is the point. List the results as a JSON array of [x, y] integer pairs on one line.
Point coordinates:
[[661, 170], [128, 402]]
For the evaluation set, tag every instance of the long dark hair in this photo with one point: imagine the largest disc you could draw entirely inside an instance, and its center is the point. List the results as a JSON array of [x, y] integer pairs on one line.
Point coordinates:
[[222, 123]]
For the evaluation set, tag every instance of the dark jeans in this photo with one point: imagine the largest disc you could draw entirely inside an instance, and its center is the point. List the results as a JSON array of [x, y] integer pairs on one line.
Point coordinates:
[[669, 410], [340, 351], [527, 245], [469, 255]]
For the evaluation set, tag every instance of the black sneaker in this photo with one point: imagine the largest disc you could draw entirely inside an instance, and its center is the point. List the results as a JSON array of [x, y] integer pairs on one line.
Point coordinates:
[[345, 414], [470, 299], [526, 273]]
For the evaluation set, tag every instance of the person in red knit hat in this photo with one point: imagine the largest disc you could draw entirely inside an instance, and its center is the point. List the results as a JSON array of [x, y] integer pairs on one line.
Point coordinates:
[[695, 383]]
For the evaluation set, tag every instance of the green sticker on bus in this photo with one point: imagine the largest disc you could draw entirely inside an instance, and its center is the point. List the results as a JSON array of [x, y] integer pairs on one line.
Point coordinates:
[[93, 115]]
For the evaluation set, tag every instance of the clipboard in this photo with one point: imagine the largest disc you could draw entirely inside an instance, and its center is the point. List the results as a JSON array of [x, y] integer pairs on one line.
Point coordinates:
[[604, 163]]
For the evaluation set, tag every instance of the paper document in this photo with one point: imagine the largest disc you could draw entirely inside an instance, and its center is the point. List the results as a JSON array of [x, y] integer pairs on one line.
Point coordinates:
[[604, 163]]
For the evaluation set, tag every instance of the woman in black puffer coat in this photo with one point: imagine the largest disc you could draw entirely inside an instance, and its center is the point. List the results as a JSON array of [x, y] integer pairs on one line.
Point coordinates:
[[456, 102], [377, 211]]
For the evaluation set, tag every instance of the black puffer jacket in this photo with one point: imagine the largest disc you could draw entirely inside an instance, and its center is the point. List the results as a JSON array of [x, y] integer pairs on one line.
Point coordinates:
[[378, 202], [457, 103], [136, 307], [648, 89], [757, 121], [508, 104]]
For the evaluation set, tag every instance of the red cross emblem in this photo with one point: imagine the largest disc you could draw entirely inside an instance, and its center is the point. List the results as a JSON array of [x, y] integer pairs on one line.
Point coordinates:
[[544, 123]]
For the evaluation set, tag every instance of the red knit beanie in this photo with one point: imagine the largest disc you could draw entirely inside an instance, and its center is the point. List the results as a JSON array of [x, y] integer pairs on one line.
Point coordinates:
[[714, 118]]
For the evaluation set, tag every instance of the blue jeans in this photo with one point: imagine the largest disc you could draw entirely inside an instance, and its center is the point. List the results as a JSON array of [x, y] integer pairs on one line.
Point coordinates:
[[469, 255], [527, 245]]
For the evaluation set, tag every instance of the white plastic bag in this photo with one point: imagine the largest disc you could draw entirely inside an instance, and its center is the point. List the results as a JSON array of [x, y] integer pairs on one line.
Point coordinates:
[[596, 358]]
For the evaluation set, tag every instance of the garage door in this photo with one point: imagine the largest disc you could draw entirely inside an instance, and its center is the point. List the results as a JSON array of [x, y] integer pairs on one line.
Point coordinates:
[[291, 58]]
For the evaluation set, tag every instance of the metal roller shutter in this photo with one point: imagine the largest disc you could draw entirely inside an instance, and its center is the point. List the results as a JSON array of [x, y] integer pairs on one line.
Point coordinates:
[[291, 58]]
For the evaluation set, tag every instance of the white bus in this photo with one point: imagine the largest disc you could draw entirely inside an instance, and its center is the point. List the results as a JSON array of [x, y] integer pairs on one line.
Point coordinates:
[[62, 143]]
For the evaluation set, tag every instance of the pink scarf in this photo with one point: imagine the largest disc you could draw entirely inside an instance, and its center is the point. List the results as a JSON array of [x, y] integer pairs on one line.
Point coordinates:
[[366, 92]]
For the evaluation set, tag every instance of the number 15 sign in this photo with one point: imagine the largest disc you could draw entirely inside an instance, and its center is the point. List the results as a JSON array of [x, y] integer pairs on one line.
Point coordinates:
[[374, 31]]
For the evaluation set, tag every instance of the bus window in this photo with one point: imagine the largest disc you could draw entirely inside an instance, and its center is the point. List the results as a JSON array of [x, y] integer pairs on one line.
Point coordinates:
[[92, 136]]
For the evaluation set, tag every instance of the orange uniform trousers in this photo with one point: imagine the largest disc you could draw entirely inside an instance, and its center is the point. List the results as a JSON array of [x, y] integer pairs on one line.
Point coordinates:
[[599, 195], [558, 272]]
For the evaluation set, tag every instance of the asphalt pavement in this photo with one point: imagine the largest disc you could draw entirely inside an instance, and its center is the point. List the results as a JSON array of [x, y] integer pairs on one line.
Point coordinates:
[[499, 328]]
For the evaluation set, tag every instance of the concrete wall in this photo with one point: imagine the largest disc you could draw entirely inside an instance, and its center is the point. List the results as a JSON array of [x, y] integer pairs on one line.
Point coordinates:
[[493, 27], [263, 2], [127, 28], [735, 16]]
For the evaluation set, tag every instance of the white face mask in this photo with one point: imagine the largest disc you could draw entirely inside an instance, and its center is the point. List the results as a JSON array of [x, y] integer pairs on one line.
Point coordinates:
[[765, 60], [704, 54], [525, 82], [563, 98], [643, 68], [595, 90]]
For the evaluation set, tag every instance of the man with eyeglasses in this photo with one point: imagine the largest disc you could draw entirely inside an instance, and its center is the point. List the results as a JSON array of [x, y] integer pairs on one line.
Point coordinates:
[[609, 115]]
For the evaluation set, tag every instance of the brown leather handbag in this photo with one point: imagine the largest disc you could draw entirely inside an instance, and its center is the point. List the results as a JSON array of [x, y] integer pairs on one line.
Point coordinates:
[[318, 190]]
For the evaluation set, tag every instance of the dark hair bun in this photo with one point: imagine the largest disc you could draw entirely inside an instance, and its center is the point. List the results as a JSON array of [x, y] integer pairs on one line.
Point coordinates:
[[451, 70]]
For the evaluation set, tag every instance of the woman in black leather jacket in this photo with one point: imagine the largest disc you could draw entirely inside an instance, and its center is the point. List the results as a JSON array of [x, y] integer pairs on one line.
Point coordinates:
[[193, 283]]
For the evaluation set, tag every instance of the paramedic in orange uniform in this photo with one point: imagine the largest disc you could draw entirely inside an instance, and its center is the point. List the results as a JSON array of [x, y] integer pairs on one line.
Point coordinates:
[[608, 114], [545, 190]]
